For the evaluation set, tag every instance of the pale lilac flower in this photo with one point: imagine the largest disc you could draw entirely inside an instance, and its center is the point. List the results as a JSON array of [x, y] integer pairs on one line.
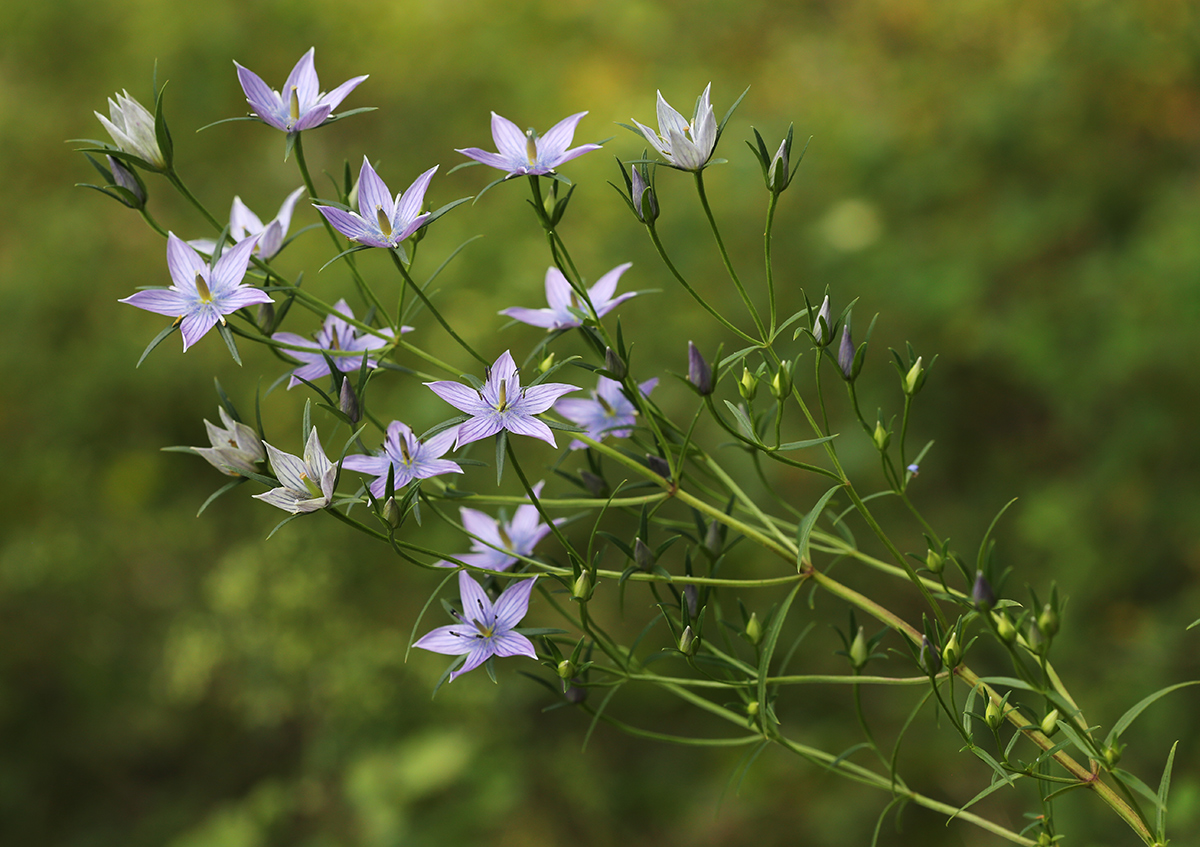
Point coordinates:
[[684, 146], [609, 412], [132, 129], [484, 629], [301, 105], [381, 221], [563, 300], [410, 458], [497, 545], [502, 403], [306, 485], [524, 153], [235, 449], [201, 295], [336, 339], [243, 223]]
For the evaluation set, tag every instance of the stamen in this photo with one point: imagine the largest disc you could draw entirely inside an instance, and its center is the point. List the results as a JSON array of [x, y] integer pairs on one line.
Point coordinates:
[[404, 452], [202, 289], [503, 396], [385, 225], [531, 146], [505, 537], [608, 410], [294, 105]]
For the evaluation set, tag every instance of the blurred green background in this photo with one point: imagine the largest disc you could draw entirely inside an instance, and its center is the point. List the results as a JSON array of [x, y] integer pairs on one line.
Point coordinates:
[[1013, 185]]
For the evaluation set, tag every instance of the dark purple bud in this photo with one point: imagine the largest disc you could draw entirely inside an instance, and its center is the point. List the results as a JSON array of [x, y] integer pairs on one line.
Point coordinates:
[[691, 596], [348, 401], [124, 177], [645, 205], [699, 372], [982, 595], [643, 556], [613, 364], [846, 353], [659, 465], [575, 695], [929, 658], [596, 485]]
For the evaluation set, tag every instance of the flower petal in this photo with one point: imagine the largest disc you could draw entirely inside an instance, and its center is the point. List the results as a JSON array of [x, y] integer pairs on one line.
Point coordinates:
[[304, 79], [183, 263], [557, 139], [510, 142], [603, 290], [373, 194], [512, 604]]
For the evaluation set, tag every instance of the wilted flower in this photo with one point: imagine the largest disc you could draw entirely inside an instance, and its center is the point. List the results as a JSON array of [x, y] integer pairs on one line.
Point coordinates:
[[235, 449], [684, 146], [381, 221], [608, 412], [699, 372], [132, 130], [408, 458], [524, 153], [243, 223], [484, 629], [305, 485], [502, 403], [302, 105], [201, 295], [497, 545], [567, 310], [336, 340]]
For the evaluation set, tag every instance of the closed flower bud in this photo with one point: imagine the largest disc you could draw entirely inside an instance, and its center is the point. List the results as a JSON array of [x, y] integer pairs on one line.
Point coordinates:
[[881, 437], [391, 512], [845, 358], [822, 330], [582, 589], [981, 594], [778, 174], [643, 556], [752, 709], [1004, 627], [934, 561], [596, 485], [1048, 621], [575, 694], [546, 363], [754, 631], [1049, 724], [645, 204], [699, 372], [928, 657], [859, 654], [126, 179], [659, 465], [747, 385], [266, 317], [714, 539], [1036, 638], [915, 378], [566, 669], [993, 716], [1112, 754], [688, 642], [952, 653], [691, 596], [613, 364], [348, 401], [781, 382]]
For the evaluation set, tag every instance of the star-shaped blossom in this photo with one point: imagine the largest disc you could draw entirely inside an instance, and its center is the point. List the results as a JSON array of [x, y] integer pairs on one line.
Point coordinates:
[[524, 153], [502, 403], [132, 130], [408, 458], [608, 412], [484, 629], [381, 221], [301, 105], [244, 223], [235, 449], [566, 307], [305, 485], [202, 294], [337, 340], [684, 146], [497, 545]]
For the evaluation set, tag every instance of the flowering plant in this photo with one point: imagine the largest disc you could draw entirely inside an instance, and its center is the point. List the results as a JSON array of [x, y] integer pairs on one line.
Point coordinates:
[[643, 500]]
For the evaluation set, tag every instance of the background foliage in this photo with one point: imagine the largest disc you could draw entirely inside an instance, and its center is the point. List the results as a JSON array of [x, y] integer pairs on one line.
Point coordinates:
[[1014, 185]]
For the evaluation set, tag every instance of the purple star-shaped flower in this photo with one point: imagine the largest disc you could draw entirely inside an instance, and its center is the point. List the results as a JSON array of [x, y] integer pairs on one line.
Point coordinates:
[[336, 339], [609, 412], [302, 105], [411, 458], [497, 545], [381, 221], [502, 403], [484, 629], [201, 295], [524, 153], [565, 304], [243, 223]]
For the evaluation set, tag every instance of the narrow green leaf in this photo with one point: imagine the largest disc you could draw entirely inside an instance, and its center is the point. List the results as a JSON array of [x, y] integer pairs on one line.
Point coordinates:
[[769, 644], [218, 492], [155, 342], [227, 337], [800, 445], [995, 786], [1129, 717], [1138, 786], [806, 526], [1164, 788]]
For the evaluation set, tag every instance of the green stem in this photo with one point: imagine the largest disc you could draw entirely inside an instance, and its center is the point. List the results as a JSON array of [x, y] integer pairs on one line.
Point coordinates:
[[770, 270], [436, 314], [741, 289]]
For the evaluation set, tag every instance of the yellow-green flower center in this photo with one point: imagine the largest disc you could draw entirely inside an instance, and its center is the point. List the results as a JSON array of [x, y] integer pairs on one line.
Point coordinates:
[[294, 105], [531, 147], [503, 400], [202, 290], [385, 225]]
